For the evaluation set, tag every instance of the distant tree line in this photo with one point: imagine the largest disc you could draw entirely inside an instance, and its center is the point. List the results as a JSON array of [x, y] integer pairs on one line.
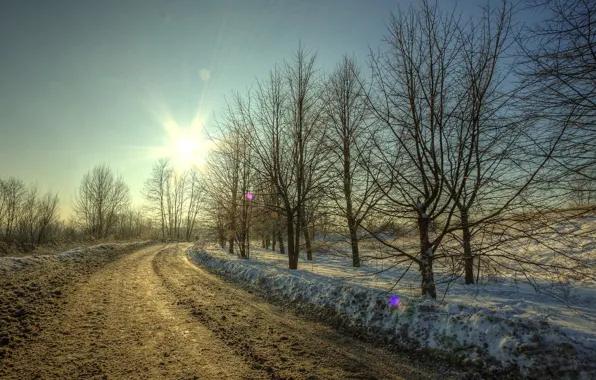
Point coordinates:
[[101, 210], [174, 199], [26, 214]]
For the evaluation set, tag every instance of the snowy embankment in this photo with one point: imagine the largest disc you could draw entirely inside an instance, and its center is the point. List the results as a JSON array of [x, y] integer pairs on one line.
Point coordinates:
[[79, 254], [486, 340]]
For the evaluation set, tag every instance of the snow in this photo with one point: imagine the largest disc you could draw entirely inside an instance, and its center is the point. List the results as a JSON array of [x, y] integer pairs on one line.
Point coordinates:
[[8, 264], [503, 323]]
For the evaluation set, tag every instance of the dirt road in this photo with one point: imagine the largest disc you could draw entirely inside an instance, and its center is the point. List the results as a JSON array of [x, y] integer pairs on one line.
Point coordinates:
[[153, 314]]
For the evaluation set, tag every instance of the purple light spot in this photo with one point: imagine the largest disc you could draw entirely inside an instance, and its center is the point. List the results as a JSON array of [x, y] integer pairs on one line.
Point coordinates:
[[249, 196], [394, 301]]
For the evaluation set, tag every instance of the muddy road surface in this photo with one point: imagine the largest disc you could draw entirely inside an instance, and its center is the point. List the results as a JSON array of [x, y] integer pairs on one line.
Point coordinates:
[[152, 314]]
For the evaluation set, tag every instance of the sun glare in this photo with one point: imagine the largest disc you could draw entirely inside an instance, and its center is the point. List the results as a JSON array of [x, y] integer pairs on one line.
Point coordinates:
[[184, 144], [186, 147]]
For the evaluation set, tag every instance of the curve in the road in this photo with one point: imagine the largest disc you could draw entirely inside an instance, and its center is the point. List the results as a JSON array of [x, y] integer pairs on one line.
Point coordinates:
[[153, 314]]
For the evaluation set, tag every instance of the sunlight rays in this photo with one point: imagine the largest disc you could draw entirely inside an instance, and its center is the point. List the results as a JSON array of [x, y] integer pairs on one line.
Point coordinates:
[[186, 146]]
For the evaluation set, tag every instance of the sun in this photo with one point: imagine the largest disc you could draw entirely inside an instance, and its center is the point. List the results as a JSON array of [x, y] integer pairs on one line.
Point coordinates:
[[185, 147], [184, 144]]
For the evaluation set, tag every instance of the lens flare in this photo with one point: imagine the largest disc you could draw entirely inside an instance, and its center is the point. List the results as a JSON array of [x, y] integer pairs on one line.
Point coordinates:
[[250, 196], [394, 301]]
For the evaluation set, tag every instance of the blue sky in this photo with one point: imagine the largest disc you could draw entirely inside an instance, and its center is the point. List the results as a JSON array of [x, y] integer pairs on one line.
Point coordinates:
[[86, 82]]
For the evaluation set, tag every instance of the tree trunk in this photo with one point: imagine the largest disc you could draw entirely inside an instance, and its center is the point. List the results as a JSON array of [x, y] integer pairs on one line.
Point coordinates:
[[248, 241], [467, 246], [273, 240], [242, 242], [222, 238], [231, 234], [307, 240], [354, 243], [426, 257], [293, 250], [296, 233], [282, 249]]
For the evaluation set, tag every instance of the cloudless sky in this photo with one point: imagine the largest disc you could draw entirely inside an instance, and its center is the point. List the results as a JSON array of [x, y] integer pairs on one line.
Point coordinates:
[[84, 82]]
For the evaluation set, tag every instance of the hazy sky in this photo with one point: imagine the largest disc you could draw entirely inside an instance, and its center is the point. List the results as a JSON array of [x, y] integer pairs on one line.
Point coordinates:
[[84, 82]]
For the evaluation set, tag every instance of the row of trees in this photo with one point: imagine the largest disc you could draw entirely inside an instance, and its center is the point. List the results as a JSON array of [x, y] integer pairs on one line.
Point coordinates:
[[448, 137], [174, 199], [458, 140], [102, 209], [25, 213]]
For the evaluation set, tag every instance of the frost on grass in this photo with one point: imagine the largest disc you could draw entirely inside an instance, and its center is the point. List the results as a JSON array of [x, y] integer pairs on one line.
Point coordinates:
[[486, 338]]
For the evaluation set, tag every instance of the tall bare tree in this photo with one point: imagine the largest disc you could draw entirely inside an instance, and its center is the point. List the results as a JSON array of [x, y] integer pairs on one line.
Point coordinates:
[[229, 173], [274, 149], [196, 196], [307, 131], [288, 142], [413, 101], [349, 144], [28, 215], [156, 190], [486, 133]]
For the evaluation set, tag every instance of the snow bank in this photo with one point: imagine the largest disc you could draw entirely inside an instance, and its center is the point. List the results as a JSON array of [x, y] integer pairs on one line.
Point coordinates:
[[486, 339], [8, 264]]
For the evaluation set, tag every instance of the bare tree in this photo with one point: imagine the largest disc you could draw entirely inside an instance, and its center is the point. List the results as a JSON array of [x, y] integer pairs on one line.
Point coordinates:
[[24, 213], [288, 143], [195, 196], [486, 133], [132, 223], [559, 73], [176, 198], [274, 149], [12, 191], [100, 198], [28, 215], [155, 191], [229, 174], [271, 165], [452, 152], [307, 131], [215, 210], [349, 144], [413, 103], [47, 215]]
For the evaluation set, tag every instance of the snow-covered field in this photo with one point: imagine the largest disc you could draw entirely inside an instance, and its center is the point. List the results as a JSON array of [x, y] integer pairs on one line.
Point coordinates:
[[501, 323]]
